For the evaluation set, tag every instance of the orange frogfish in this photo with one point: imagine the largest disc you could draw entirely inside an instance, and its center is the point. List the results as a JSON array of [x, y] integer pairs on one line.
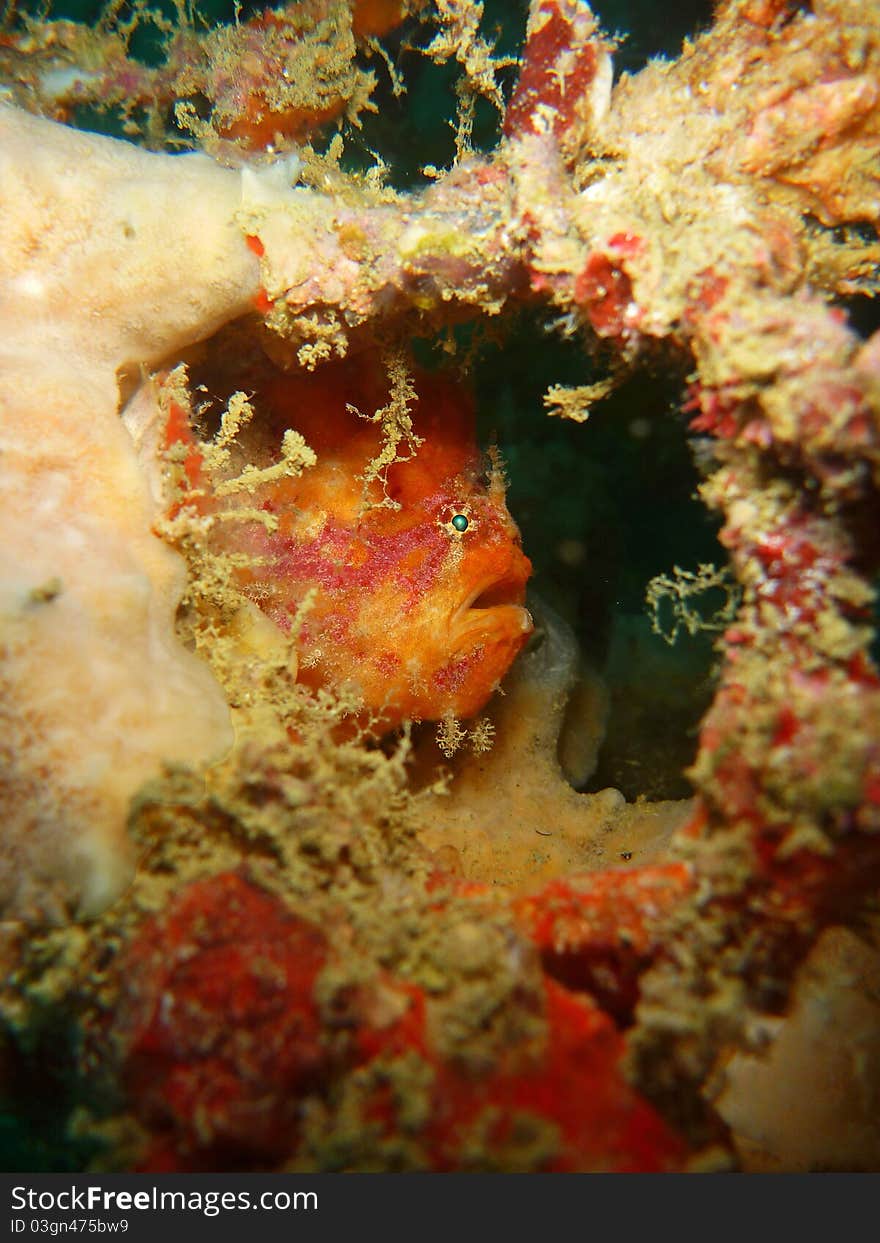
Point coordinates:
[[412, 571]]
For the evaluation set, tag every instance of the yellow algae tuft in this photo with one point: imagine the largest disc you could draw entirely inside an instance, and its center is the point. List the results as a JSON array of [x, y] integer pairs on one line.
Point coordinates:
[[673, 601], [399, 441]]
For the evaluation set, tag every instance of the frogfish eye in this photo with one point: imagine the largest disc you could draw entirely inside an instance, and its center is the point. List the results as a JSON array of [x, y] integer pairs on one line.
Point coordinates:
[[460, 522]]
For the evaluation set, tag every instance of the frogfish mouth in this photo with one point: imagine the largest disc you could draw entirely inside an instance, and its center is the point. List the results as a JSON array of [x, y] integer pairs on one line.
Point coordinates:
[[392, 556]]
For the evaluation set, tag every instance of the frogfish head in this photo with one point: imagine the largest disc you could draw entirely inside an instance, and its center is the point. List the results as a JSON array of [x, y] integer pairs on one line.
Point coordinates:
[[409, 561]]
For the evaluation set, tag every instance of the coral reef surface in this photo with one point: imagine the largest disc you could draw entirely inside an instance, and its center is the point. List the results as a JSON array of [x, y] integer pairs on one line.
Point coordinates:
[[257, 911]]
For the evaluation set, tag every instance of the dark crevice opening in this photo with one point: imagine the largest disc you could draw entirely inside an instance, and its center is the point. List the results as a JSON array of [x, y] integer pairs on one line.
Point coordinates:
[[604, 507]]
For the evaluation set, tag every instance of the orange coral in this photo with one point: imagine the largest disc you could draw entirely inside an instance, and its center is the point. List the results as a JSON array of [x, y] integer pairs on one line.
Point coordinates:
[[376, 17]]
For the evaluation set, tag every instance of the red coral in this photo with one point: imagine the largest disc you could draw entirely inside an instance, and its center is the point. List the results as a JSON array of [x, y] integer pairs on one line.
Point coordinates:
[[605, 292], [597, 932], [222, 1040], [576, 1085], [219, 1026], [571, 1087], [560, 65]]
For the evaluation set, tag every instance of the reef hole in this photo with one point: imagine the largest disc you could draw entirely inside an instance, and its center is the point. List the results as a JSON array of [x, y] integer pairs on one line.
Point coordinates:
[[863, 312], [605, 507]]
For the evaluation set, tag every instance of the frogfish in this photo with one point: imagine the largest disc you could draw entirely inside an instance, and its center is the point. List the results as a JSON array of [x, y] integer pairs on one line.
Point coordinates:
[[403, 581]]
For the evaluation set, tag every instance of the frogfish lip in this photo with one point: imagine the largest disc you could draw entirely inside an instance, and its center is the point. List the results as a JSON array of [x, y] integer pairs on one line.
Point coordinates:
[[492, 611]]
